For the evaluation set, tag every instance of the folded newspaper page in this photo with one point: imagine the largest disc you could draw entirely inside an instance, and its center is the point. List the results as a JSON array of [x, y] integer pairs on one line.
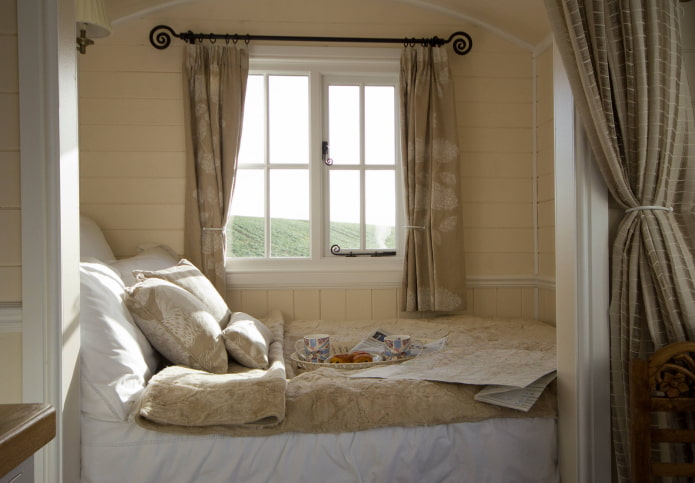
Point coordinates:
[[513, 397], [504, 367], [514, 378]]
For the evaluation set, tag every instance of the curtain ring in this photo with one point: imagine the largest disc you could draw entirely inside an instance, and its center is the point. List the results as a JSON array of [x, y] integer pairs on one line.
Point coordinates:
[[212, 39]]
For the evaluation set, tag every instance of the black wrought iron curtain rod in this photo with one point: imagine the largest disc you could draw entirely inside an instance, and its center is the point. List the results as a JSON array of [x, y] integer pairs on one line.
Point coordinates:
[[160, 38]]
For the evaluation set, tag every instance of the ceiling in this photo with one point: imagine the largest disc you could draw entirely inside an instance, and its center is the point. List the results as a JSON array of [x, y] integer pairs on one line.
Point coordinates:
[[523, 21]]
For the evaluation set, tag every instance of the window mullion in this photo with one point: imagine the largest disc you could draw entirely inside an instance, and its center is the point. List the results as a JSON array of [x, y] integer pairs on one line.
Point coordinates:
[[317, 175], [363, 204], [266, 164]]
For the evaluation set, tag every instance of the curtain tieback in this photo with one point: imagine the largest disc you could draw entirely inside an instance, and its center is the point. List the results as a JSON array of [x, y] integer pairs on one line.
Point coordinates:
[[414, 227], [649, 207], [212, 229]]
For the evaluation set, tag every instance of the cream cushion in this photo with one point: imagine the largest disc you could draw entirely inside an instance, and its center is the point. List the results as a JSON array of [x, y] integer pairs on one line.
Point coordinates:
[[150, 258], [187, 276], [247, 340], [178, 325]]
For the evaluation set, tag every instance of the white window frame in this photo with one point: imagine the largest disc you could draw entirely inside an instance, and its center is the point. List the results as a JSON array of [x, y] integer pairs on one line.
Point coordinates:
[[323, 269]]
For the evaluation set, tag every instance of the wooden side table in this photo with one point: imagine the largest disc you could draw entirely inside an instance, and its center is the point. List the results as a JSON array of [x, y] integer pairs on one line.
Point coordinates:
[[24, 429]]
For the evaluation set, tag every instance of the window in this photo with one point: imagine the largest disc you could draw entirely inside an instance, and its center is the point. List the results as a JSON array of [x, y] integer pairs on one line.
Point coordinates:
[[318, 168]]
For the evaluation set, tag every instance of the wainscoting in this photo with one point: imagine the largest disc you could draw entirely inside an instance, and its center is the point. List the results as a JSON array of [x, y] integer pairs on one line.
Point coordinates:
[[527, 298], [11, 353]]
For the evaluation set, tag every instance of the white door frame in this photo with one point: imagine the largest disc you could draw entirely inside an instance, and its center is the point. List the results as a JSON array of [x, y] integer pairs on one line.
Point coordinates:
[[50, 225], [582, 296]]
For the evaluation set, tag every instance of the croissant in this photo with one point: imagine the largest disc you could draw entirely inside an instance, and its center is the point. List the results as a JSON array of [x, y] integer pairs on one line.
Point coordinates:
[[361, 356], [340, 359], [352, 357]]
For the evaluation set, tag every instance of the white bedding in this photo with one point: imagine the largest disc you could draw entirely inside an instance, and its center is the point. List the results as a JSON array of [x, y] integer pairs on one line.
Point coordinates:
[[117, 362], [494, 450]]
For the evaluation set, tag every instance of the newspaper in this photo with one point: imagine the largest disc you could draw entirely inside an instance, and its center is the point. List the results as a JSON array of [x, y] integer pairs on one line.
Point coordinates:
[[374, 343], [513, 397], [513, 369]]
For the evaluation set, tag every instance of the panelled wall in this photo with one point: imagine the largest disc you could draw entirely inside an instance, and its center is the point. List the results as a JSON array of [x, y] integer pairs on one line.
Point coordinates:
[[545, 183], [10, 211], [132, 148]]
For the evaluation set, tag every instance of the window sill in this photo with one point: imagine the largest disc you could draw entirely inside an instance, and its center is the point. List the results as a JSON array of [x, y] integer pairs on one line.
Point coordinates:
[[365, 272]]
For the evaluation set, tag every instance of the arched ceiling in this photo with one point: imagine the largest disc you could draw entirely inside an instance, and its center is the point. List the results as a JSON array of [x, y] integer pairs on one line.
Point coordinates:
[[522, 20]]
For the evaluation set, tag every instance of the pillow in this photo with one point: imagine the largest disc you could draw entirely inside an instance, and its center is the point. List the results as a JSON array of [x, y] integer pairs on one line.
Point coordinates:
[[93, 244], [177, 324], [247, 340], [154, 258], [188, 277], [116, 360]]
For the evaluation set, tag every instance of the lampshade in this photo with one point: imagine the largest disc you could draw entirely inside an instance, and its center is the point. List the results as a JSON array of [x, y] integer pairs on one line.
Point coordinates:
[[90, 16]]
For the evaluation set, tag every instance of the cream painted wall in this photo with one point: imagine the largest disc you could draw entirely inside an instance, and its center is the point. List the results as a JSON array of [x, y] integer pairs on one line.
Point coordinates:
[[545, 184], [10, 214], [10, 209], [132, 148], [10, 367]]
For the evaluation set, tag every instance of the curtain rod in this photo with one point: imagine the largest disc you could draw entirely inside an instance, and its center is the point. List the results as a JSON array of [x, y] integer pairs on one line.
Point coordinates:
[[160, 38]]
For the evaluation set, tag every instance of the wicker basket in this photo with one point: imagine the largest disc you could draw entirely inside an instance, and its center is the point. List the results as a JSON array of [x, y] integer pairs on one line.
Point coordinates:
[[342, 347]]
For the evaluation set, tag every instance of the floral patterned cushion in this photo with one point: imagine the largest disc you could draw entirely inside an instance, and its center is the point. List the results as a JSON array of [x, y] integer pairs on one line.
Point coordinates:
[[247, 340], [187, 276], [178, 325]]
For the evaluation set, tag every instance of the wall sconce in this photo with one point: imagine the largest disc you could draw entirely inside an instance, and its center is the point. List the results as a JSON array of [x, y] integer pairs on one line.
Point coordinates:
[[91, 22]]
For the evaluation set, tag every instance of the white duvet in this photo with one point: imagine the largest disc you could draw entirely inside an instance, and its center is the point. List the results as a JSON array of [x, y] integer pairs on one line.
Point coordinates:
[[495, 450]]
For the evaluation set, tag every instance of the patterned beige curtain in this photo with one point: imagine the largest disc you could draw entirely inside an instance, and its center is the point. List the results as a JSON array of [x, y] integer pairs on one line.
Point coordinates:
[[214, 90], [624, 63], [434, 277]]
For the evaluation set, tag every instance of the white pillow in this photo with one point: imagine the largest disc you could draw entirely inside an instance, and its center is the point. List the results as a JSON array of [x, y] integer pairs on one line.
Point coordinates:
[[116, 360], [178, 325], [187, 276], [93, 244], [247, 340], [153, 258]]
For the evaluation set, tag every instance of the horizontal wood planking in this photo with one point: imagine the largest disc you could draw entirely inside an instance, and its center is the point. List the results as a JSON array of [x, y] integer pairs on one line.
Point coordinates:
[[9, 121], [545, 179], [375, 304], [11, 367], [10, 195], [11, 282]]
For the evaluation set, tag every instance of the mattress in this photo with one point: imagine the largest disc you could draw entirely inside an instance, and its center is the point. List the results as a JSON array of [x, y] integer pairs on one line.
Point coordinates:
[[494, 450]]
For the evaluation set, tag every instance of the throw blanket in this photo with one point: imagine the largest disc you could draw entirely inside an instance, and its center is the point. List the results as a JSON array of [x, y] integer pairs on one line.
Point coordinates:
[[190, 398], [328, 401]]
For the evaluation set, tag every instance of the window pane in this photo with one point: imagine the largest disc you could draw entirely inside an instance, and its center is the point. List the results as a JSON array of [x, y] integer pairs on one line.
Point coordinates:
[[345, 209], [246, 229], [344, 124], [379, 132], [252, 149], [288, 99], [380, 209], [289, 213]]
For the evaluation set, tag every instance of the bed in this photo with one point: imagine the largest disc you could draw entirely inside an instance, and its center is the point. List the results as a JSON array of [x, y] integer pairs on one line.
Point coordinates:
[[304, 425]]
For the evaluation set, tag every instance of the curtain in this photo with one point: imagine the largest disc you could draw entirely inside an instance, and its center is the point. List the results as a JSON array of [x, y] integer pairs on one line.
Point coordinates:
[[214, 90], [434, 277], [624, 64]]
